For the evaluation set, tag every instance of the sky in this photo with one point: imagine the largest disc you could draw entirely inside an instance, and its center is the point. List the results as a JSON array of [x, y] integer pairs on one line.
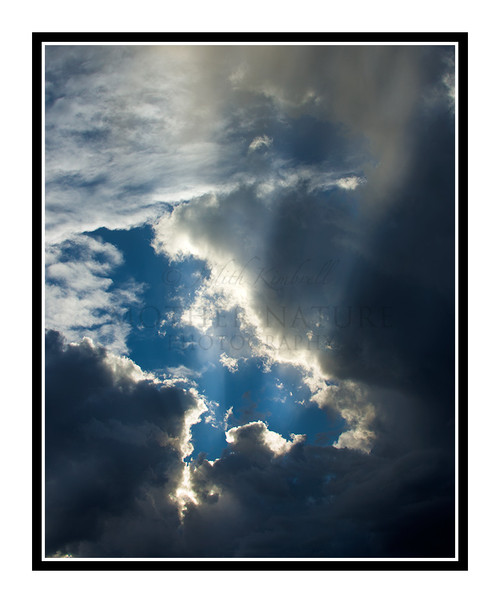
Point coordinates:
[[249, 301]]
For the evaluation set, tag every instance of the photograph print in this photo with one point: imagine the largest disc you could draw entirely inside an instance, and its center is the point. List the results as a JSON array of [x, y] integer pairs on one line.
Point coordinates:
[[249, 321]]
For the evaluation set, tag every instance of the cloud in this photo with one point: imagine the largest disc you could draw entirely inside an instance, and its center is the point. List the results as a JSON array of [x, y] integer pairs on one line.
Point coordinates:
[[349, 183], [247, 241], [312, 501], [260, 142], [258, 430], [325, 82], [117, 140], [230, 363], [120, 143], [115, 442], [80, 299]]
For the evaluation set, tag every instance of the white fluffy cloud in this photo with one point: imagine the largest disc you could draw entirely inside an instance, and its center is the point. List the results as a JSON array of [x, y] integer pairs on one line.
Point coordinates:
[[80, 300], [259, 431]]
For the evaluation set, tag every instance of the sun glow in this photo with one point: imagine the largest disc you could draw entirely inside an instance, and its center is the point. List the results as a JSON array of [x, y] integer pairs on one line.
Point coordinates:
[[185, 495]]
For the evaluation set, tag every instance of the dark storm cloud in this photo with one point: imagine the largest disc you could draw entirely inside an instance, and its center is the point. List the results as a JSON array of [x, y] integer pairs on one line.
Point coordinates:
[[407, 265], [112, 445], [319, 501]]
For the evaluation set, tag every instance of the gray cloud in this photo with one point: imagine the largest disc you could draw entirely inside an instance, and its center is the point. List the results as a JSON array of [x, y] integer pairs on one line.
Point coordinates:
[[114, 444], [319, 501]]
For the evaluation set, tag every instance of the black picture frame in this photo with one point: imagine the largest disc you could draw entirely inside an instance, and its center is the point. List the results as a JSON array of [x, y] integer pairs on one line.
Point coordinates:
[[38, 561]]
